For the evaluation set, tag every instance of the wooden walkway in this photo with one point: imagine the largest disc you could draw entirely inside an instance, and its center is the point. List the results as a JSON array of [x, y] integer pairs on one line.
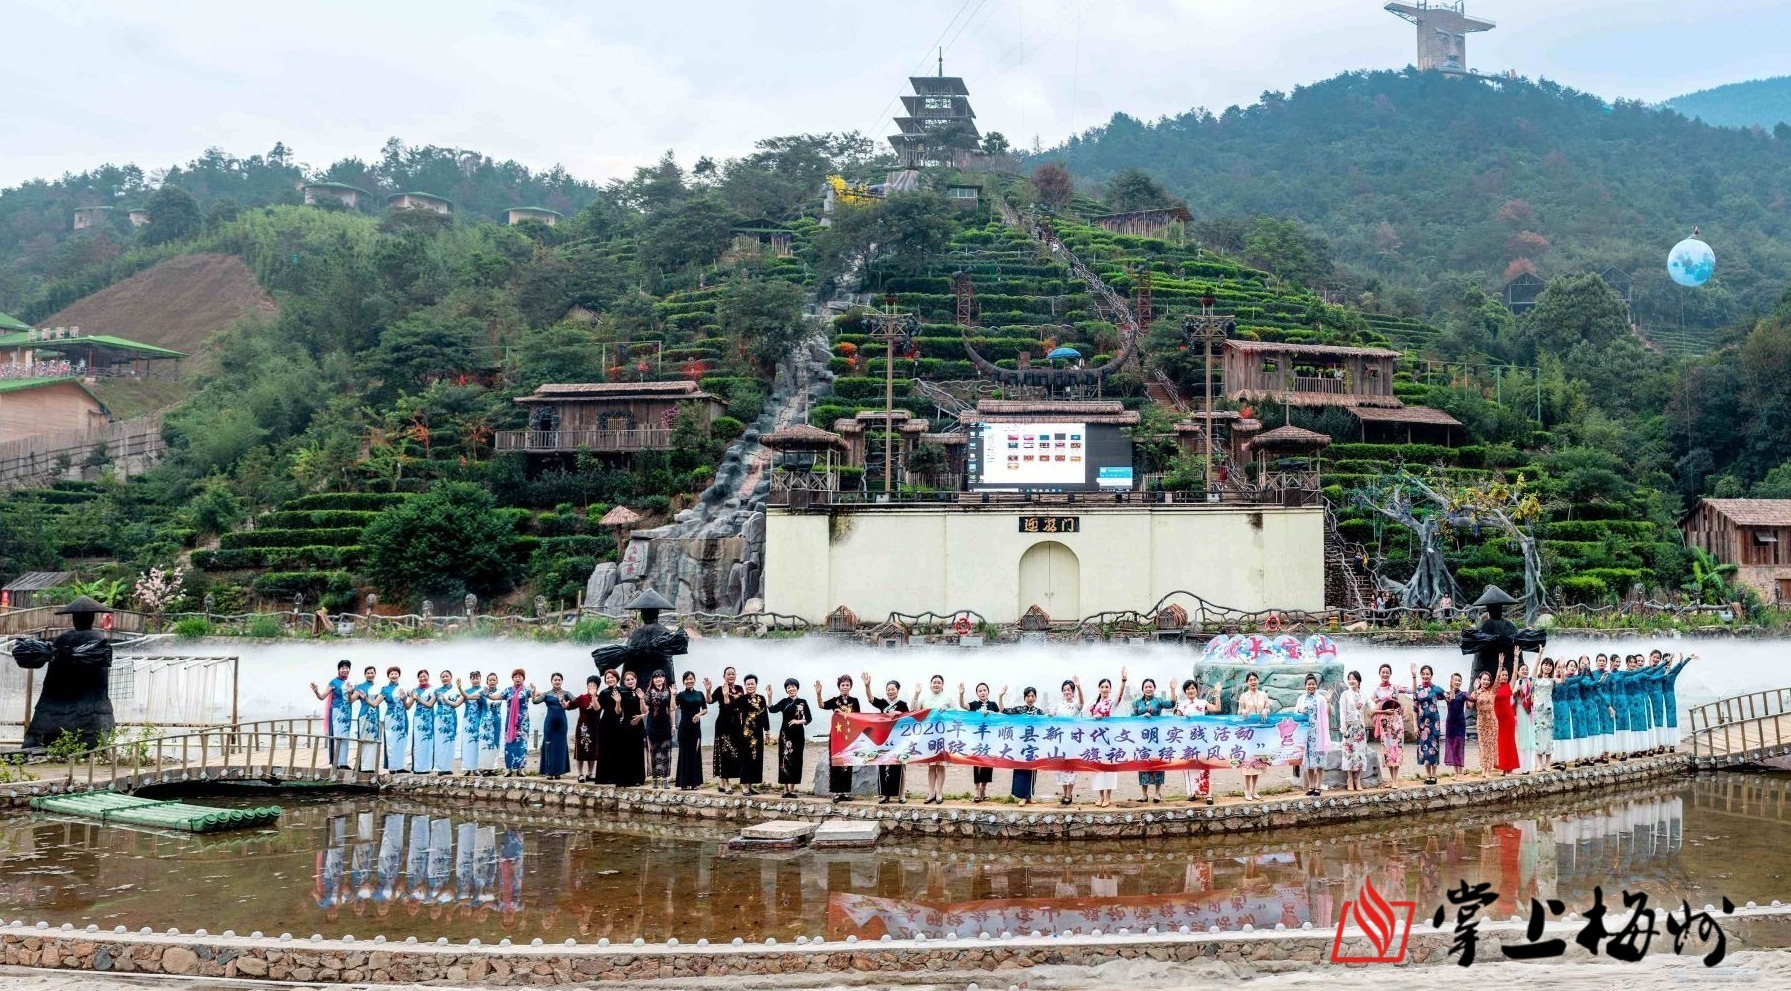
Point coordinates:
[[1743, 729], [276, 751]]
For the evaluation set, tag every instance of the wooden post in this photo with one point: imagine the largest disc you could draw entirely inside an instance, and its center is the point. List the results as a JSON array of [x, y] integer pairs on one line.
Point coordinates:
[[30, 682]]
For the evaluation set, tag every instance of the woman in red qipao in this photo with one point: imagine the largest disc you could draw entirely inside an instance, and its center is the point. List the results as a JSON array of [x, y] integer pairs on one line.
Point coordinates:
[[1507, 714]]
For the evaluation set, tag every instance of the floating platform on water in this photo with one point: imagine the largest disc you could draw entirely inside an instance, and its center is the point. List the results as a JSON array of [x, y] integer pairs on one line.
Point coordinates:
[[110, 806]]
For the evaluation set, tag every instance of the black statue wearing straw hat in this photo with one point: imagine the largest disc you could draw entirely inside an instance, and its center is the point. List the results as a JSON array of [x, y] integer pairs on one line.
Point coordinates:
[[650, 647], [1497, 636], [77, 680]]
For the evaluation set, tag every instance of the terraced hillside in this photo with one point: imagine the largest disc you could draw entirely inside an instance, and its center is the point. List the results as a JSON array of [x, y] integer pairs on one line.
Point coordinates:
[[1028, 300]]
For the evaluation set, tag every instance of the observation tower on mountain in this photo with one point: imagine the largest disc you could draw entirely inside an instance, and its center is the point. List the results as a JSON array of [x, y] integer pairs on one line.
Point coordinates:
[[1443, 29], [937, 126]]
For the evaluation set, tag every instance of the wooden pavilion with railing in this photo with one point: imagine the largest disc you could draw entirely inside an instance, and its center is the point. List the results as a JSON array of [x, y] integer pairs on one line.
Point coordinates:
[[607, 417], [1285, 463], [805, 465], [1309, 374]]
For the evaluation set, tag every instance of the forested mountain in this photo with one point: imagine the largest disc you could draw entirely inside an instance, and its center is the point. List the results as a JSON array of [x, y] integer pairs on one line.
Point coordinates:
[[1764, 103], [38, 243], [1426, 182]]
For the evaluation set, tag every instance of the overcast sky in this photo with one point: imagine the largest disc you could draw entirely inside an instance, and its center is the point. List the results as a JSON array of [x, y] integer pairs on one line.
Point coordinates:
[[601, 87]]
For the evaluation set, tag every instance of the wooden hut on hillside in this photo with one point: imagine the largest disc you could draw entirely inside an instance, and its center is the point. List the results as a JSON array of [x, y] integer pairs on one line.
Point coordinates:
[[1309, 374], [1752, 534], [607, 417]]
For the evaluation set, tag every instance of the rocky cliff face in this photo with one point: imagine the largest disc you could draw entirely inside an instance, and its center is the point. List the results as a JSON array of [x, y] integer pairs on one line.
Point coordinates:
[[710, 558]]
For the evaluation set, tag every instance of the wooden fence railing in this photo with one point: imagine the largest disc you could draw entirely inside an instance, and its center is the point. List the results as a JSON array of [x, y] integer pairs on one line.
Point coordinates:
[[1739, 724], [30, 458], [273, 749]]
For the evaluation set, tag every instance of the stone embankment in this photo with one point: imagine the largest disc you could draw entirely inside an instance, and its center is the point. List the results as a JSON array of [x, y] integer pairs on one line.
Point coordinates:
[[999, 958], [1048, 822]]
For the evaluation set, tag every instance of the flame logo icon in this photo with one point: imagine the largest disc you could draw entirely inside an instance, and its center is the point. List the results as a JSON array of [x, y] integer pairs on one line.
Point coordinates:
[[1387, 924], [1374, 917]]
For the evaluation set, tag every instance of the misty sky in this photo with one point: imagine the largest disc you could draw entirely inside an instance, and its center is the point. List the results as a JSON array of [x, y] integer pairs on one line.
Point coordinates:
[[601, 87]]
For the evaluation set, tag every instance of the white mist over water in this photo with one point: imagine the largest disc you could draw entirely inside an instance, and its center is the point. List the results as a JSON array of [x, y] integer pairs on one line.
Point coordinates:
[[276, 676]]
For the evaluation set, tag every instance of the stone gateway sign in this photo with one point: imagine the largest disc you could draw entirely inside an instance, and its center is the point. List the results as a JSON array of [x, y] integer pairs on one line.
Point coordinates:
[[1049, 524]]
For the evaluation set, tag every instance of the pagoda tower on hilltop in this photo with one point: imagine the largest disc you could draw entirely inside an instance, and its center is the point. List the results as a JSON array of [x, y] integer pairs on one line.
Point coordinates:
[[1443, 29], [937, 127]]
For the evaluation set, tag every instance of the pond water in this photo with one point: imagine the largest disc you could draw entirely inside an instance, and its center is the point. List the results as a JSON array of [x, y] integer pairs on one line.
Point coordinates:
[[367, 866], [275, 676]]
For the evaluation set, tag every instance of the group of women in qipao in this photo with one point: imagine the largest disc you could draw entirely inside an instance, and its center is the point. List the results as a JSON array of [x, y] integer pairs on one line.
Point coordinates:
[[1569, 712], [425, 729], [624, 733]]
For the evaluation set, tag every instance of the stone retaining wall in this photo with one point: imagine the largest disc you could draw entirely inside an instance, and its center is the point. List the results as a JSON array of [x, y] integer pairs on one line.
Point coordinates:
[[1041, 822], [348, 960]]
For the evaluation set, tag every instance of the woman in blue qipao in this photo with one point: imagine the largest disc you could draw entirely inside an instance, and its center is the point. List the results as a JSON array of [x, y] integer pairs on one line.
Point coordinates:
[[393, 697], [1672, 689], [1426, 695], [470, 696], [491, 726], [366, 729], [447, 723], [338, 713], [1317, 743], [516, 722], [422, 726]]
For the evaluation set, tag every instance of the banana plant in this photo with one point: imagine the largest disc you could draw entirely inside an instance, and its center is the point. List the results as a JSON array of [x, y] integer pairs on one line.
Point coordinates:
[[1709, 578], [105, 591]]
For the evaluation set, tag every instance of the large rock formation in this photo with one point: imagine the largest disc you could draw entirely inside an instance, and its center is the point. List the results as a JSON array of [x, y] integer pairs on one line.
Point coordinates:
[[710, 558]]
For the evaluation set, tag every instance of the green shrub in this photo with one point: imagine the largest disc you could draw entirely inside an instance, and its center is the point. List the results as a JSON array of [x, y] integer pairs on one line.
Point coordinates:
[[860, 388], [1472, 578], [726, 428], [1596, 530], [265, 627], [1583, 589], [315, 586], [593, 629], [227, 560], [317, 519], [312, 558], [448, 541], [362, 501], [1407, 453], [592, 545], [191, 628], [323, 537]]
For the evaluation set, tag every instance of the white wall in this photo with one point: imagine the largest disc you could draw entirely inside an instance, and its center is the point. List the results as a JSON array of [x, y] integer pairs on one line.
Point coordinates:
[[910, 559]]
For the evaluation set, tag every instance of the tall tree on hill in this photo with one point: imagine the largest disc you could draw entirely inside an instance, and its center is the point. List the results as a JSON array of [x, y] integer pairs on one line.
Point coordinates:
[[764, 315], [448, 541], [173, 216], [1572, 309], [897, 234], [652, 187], [1054, 184], [692, 232], [1766, 393], [1288, 250], [1133, 189]]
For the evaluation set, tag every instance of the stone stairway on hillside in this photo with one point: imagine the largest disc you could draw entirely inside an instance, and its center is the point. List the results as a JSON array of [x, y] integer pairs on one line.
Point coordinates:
[[1346, 587], [1164, 393]]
